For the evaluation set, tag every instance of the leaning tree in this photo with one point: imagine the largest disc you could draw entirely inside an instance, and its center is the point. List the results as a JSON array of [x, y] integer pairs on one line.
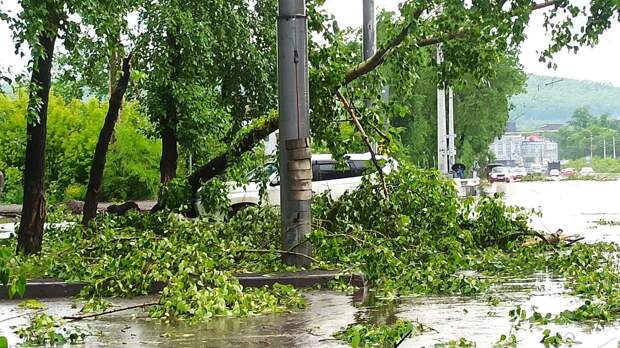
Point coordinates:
[[474, 37], [38, 26]]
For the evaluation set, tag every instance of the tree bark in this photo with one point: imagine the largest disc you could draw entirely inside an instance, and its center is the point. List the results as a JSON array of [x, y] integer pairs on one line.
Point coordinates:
[[169, 152], [31, 227], [217, 166], [105, 136]]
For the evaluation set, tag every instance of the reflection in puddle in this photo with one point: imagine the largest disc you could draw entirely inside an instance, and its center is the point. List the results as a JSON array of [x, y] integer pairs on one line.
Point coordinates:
[[566, 204]]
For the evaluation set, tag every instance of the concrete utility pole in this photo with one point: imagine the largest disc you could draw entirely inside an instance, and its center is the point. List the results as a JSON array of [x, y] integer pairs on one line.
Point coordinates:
[[604, 148], [295, 155], [442, 151], [451, 135], [370, 33], [369, 44], [614, 145]]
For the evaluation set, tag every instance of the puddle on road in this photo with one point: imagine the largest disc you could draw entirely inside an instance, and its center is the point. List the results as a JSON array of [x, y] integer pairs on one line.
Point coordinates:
[[571, 206], [451, 317]]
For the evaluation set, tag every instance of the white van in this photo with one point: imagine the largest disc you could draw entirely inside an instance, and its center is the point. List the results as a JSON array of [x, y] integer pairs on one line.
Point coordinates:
[[327, 175]]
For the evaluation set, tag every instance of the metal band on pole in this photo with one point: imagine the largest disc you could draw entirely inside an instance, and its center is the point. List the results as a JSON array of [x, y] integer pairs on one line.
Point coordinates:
[[295, 155]]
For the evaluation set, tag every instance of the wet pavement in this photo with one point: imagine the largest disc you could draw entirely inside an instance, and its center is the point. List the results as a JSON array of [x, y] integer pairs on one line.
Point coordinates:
[[570, 205]]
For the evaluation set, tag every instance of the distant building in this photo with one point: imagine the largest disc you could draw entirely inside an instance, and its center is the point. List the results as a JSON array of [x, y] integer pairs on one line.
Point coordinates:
[[508, 147], [539, 150], [516, 148]]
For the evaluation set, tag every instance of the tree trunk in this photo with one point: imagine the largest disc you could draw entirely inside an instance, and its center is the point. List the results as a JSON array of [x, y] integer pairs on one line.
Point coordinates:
[[169, 153], [101, 150], [218, 165], [30, 234]]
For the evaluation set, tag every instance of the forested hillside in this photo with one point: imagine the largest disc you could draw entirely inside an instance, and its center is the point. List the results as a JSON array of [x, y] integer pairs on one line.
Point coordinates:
[[552, 99]]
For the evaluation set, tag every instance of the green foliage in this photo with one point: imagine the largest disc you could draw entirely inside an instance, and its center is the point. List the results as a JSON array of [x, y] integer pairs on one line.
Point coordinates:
[[174, 195], [14, 279], [416, 241], [32, 303], [584, 132], [556, 340], [73, 127], [358, 335], [95, 305], [46, 330], [4, 342], [481, 108], [551, 100], [460, 343], [211, 73], [600, 165], [506, 341], [194, 260]]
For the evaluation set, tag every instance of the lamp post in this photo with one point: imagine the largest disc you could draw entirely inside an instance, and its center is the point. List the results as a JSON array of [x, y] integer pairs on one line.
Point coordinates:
[[591, 142]]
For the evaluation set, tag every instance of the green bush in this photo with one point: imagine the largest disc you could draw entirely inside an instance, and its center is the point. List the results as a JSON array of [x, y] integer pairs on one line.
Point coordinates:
[[73, 129], [600, 165]]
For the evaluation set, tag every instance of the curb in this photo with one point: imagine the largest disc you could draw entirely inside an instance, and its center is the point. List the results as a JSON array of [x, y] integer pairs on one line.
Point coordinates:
[[53, 288]]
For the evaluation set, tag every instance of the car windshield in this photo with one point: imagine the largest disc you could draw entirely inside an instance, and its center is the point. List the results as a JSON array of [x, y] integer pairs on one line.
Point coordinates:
[[499, 170]]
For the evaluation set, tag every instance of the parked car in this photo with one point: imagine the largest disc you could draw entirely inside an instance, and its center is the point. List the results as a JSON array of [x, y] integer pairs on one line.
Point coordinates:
[[554, 173], [535, 169], [500, 174], [586, 171], [568, 172], [327, 175], [518, 173]]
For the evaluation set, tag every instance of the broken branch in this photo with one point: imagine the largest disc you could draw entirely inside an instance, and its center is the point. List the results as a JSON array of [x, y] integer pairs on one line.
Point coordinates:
[[365, 138]]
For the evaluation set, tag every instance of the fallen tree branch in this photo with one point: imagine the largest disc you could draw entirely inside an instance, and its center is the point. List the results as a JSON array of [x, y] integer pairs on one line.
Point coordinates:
[[82, 317], [366, 140], [284, 252], [514, 236], [403, 338], [218, 165], [372, 125], [378, 58]]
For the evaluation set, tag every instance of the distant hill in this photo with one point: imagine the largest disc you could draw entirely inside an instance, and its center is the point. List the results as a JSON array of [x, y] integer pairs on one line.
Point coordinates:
[[554, 99]]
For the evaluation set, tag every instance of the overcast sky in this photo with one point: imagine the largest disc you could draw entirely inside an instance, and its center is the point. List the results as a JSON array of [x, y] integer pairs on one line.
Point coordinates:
[[601, 63]]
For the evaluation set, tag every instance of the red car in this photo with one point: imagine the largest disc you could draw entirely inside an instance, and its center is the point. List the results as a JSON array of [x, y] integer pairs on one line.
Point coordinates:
[[568, 172]]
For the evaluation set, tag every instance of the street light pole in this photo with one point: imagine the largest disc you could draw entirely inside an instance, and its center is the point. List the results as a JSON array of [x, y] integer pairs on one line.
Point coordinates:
[[451, 135], [442, 160], [591, 141], [295, 156]]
